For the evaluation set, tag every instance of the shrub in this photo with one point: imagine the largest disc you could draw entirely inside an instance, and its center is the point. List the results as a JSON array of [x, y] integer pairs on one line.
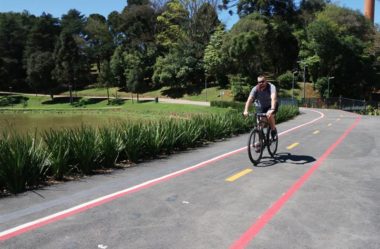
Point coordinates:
[[57, 143], [226, 104], [26, 162], [23, 163], [240, 87], [285, 80], [370, 110], [133, 136], [84, 150], [110, 146]]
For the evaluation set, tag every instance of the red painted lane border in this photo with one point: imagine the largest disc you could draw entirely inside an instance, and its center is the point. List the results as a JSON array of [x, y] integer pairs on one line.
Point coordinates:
[[10, 233], [259, 224]]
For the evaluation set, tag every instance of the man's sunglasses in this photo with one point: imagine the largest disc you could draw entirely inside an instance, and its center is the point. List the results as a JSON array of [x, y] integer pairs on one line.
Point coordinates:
[[262, 81]]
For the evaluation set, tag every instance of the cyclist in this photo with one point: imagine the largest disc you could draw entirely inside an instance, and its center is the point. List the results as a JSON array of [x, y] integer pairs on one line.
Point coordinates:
[[265, 95]]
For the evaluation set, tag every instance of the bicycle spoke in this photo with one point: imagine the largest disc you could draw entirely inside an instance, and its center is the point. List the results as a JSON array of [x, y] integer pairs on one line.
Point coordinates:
[[255, 146]]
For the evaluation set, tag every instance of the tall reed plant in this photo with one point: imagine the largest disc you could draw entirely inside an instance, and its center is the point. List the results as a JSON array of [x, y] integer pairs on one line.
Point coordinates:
[[84, 150], [57, 143], [110, 145], [23, 163], [133, 137]]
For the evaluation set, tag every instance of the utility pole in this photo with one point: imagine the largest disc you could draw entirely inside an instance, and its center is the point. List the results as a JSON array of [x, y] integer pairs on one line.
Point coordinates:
[[304, 83]]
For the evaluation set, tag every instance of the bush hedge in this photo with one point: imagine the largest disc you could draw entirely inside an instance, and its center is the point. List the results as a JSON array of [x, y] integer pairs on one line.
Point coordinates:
[[27, 161]]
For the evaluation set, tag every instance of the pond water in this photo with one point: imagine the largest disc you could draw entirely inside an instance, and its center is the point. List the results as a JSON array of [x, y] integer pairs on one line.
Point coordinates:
[[32, 122]]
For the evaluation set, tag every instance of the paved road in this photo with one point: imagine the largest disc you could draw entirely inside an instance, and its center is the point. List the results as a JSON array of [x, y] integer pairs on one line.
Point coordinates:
[[322, 192]]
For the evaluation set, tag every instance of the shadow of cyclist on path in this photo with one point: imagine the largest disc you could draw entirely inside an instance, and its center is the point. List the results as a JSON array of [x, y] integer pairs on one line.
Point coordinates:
[[286, 158]]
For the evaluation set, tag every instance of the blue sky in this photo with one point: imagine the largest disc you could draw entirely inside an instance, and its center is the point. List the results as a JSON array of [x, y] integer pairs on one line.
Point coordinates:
[[104, 7]]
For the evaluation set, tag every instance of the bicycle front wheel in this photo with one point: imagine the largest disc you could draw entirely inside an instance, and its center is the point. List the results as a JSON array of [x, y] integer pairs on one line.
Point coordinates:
[[272, 143], [255, 146]]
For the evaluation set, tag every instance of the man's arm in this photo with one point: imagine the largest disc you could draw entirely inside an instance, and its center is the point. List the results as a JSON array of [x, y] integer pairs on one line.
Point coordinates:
[[273, 97], [248, 104]]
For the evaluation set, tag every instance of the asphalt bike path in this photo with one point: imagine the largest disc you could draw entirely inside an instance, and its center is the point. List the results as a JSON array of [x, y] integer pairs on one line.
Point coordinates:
[[216, 204]]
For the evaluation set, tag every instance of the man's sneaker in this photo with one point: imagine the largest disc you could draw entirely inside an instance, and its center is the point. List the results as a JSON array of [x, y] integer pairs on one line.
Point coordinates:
[[257, 147], [274, 134]]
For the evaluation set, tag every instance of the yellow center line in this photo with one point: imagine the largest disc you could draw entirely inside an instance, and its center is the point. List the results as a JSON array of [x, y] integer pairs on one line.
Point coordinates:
[[316, 132], [330, 124], [292, 146], [238, 175]]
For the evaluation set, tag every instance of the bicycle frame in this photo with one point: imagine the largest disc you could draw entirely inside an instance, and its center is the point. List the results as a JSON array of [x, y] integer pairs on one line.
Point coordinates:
[[262, 130]]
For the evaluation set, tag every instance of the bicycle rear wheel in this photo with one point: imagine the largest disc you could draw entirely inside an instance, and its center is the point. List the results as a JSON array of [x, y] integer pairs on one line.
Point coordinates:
[[255, 146], [272, 143]]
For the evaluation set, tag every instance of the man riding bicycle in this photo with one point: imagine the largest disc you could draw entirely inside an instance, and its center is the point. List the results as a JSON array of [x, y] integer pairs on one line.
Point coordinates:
[[265, 94]]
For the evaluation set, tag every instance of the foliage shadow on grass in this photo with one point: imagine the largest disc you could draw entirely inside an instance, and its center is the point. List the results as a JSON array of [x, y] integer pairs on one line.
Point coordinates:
[[179, 92], [92, 101], [146, 101], [60, 100]]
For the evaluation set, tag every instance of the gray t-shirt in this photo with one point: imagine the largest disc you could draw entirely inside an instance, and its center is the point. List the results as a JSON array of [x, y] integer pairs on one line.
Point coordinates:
[[263, 97]]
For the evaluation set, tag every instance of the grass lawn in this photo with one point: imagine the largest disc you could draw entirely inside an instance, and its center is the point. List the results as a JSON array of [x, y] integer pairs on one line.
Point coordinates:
[[40, 114], [62, 104], [209, 94]]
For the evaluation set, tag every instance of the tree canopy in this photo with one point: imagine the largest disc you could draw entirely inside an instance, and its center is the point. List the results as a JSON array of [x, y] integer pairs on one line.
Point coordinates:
[[182, 44]]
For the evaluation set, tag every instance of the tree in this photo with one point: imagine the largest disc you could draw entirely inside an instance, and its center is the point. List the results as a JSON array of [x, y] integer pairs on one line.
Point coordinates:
[[67, 60], [204, 23], [138, 24], [178, 68], [171, 25], [13, 32], [309, 8], [117, 66], [281, 47], [43, 35], [38, 52], [73, 22], [114, 22], [99, 39], [39, 71], [134, 73], [245, 44], [215, 59], [282, 9], [339, 37]]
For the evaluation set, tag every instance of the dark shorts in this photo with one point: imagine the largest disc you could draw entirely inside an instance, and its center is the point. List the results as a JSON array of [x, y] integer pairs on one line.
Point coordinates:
[[266, 109]]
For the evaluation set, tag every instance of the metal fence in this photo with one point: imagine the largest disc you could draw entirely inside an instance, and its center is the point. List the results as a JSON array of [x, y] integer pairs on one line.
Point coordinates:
[[288, 101], [342, 103], [347, 104]]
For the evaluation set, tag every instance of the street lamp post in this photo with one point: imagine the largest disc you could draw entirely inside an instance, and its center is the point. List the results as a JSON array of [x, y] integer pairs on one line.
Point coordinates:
[[71, 94], [295, 72], [328, 86], [206, 86], [304, 83]]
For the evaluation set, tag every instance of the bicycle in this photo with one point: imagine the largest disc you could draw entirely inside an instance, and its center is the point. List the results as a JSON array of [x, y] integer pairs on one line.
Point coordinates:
[[259, 138]]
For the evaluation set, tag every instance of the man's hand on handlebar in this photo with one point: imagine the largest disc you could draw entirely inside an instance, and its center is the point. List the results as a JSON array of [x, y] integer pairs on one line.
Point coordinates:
[[245, 113], [269, 113]]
